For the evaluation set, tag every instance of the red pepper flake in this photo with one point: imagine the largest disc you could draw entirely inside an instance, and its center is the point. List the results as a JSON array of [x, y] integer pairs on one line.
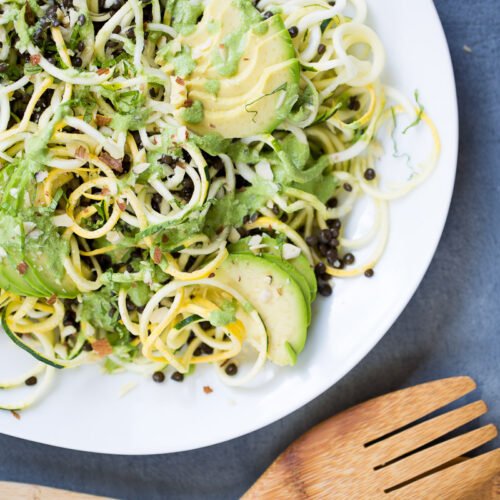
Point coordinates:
[[82, 153], [122, 205], [246, 59], [101, 121], [154, 141], [180, 81], [102, 347], [102, 71], [157, 255], [207, 389], [115, 164], [222, 46], [15, 414], [211, 275], [22, 267], [52, 299], [35, 59], [164, 239], [105, 191], [211, 125], [188, 103]]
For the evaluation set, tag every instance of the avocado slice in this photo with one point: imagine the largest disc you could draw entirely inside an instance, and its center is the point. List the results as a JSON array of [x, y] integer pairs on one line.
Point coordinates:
[[276, 297], [246, 75], [60, 285], [44, 256], [13, 281], [300, 263], [300, 280]]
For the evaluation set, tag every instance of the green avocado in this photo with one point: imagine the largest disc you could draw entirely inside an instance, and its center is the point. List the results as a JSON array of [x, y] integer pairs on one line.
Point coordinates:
[[300, 263], [297, 277], [246, 74], [13, 281], [42, 257], [276, 297]]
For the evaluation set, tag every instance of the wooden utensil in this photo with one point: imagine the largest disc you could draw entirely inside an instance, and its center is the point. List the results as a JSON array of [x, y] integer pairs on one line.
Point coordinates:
[[365, 453], [370, 452]]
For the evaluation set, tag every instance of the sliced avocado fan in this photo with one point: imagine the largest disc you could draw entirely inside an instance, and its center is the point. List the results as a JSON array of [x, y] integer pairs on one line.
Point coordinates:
[[236, 74], [31, 264]]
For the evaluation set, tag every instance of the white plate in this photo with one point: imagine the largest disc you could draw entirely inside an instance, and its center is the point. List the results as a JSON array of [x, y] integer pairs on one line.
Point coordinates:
[[84, 411]]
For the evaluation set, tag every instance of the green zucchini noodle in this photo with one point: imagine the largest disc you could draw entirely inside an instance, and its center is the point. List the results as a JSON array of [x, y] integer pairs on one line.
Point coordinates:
[[127, 182]]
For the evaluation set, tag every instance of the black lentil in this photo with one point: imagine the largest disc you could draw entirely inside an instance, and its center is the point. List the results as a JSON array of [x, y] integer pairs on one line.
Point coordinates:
[[348, 259], [325, 290], [82, 19], [334, 232], [81, 46], [87, 347], [331, 256], [268, 14], [323, 249], [347, 187], [231, 369], [159, 377], [354, 104], [320, 268], [276, 209], [325, 236], [369, 273], [321, 48], [254, 217], [31, 381], [156, 202], [334, 223], [77, 62], [332, 202], [294, 31], [177, 376], [370, 174]]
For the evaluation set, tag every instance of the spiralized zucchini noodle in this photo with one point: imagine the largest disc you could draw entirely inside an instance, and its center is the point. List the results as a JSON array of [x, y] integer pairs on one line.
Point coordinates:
[[118, 210]]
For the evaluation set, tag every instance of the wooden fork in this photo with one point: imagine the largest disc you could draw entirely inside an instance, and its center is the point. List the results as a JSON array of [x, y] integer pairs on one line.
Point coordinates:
[[368, 452]]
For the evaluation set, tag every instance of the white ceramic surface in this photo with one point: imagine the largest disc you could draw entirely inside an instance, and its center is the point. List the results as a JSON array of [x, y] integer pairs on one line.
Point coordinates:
[[84, 410]]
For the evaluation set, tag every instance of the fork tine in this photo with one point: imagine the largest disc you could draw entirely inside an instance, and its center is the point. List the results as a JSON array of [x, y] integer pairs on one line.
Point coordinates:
[[457, 481], [389, 413], [404, 442], [430, 458]]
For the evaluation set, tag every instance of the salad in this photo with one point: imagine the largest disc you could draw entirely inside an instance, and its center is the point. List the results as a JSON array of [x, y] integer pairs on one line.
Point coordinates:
[[176, 177]]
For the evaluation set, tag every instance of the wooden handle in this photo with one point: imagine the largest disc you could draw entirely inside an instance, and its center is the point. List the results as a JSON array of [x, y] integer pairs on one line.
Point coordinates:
[[32, 492]]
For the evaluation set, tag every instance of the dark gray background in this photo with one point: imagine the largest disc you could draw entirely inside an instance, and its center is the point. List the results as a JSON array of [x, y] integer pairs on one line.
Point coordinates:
[[450, 327]]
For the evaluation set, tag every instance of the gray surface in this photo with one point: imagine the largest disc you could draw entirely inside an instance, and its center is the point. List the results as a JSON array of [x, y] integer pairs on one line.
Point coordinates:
[[450, 327]]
